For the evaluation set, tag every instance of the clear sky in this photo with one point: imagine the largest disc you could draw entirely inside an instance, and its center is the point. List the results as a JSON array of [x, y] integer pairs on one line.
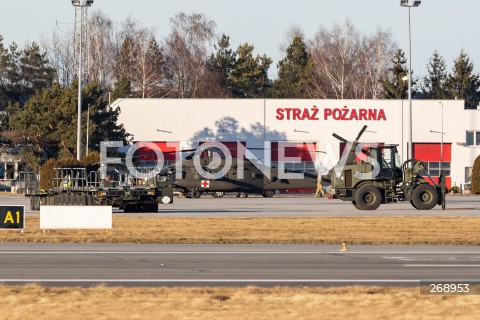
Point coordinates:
[[447, 26]]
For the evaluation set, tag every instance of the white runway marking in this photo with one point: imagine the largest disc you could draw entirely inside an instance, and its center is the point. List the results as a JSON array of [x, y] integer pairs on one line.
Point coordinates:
[[217, 280], [474, 258], [227, 252], [441, 265]]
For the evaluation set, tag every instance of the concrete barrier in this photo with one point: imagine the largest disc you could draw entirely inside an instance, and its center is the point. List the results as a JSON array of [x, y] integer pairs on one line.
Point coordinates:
[[75, 217]]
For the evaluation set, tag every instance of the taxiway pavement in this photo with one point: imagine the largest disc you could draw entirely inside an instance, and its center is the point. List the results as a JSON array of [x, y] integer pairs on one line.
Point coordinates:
[[234, 265], [286, 206]]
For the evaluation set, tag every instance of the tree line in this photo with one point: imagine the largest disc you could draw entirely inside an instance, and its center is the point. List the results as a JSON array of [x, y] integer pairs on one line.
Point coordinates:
[[38, 82]]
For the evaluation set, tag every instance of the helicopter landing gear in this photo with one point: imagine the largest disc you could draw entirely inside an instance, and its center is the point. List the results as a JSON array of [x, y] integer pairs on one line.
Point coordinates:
[[242, 195], [268, 193], [218, 194], [195, 194]]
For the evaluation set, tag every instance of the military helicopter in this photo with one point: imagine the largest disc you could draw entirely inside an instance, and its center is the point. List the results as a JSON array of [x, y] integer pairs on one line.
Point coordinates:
[[212, 172], [253, 181]]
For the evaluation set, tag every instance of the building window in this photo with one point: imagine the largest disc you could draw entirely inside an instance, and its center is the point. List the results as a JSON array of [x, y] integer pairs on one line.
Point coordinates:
[[468, 178], [2, 170], [472, 138], [468, 174], [433, 168]]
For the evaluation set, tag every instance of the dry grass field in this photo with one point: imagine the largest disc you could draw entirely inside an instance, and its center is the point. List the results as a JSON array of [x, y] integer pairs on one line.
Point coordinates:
[[35, 302], [333, 230], [355, 302]]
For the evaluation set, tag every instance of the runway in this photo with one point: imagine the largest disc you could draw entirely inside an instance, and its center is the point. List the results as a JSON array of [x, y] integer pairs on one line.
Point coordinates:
[[234, 265]]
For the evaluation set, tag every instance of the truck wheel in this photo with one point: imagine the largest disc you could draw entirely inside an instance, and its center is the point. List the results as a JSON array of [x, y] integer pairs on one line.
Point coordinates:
[[413, 205], [268, 193], [355, 205], [424, 197], [368, 197]]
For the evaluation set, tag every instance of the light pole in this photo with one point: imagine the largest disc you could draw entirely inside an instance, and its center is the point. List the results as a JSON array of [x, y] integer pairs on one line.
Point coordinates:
[[409, 4], [88, 122], [441, 145], [82, 4]]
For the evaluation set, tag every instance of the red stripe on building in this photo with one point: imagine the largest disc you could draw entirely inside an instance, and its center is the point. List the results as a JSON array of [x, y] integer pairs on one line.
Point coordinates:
[[306, 151], [145, 153], [431, 151]]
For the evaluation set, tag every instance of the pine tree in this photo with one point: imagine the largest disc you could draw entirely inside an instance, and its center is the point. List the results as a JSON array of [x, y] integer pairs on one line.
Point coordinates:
[[222, 63], [48, 120], [436, 80], [463, 83], [249, 77], [13, 76], [122, 89], [395, 87], [35, 69], [292, 71]]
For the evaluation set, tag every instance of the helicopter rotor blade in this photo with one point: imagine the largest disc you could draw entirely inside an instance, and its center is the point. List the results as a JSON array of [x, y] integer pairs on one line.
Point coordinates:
[[361, 132], [340, 138]]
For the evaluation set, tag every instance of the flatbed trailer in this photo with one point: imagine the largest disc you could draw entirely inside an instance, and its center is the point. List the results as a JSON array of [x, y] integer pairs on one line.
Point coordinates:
[[71, 187]]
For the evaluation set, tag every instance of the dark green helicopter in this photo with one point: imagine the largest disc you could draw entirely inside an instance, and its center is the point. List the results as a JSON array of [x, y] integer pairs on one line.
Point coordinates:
[[212, 172]]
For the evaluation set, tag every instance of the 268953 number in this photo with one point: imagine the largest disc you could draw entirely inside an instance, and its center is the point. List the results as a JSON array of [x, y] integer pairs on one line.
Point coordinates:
[[449, 287]]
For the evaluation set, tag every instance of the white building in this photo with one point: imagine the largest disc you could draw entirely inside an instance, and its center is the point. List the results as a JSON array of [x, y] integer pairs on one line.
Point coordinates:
[[188, 122]]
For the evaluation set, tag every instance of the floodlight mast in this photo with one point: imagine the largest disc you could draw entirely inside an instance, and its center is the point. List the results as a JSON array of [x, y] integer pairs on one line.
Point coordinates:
[[408, 4], [83, 4]]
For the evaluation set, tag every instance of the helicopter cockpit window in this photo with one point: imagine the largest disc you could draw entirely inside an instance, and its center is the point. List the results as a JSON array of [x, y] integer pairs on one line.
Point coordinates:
[[163, 177]]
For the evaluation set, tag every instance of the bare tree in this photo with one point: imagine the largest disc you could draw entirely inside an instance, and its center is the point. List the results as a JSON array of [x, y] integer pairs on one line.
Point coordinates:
[[140, 60], [186, 50], [377, 53], [61, 52], [334, 54], [348, 66], [102, 50]]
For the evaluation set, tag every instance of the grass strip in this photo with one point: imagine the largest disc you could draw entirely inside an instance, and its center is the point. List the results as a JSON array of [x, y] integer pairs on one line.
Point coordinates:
[[351, 302], [323, 230]]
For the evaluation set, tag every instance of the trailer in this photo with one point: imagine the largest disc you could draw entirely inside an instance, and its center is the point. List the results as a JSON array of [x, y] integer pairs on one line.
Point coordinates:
[[74, 187]]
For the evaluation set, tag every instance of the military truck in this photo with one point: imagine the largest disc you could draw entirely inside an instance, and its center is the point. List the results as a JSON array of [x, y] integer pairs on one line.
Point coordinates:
[[72, 186], [370, 175]]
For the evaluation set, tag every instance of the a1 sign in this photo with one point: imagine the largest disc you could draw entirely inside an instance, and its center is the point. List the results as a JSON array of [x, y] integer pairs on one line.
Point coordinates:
[[12, 217]]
